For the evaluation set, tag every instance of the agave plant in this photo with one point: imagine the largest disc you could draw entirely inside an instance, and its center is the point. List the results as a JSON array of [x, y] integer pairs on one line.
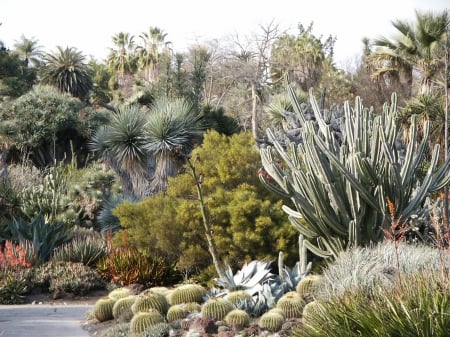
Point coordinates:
[[250, 278], [42, 235]]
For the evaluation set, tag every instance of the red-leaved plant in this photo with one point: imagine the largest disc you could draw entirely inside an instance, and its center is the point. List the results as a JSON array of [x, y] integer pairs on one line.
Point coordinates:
[[13, 257]]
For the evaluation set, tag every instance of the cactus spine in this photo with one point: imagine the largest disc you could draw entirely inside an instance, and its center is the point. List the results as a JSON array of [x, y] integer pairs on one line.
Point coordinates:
[[216, 308], [122, 308], [309, 286], [192, 307], [102, 310], [119, 293], [148, 299], [272, 321], [176, 312], [291, 304], [237, 319], [311, 309], [141, 321], [187, 293]]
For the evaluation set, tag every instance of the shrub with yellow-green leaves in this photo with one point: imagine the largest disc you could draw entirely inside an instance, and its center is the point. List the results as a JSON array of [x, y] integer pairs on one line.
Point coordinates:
[[248, 220]]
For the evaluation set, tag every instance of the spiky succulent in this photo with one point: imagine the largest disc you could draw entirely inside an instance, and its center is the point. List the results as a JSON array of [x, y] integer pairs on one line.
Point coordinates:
[[187, 293], [291, 304], [176, 312], [309, 287], [142, 321], [216, 308], [102, 310], [122, 308], [237, 319], [119, 293], [149, 299], [272, 321]]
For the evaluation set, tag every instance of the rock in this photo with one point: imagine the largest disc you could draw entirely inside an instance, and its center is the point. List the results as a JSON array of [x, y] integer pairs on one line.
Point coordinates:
[[203, 325]]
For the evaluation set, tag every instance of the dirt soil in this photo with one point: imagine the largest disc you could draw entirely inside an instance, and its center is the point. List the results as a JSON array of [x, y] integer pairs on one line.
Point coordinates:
[[37, 297]]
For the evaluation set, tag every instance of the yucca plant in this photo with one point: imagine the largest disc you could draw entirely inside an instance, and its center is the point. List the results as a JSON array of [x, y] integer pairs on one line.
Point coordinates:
[[340, 173]]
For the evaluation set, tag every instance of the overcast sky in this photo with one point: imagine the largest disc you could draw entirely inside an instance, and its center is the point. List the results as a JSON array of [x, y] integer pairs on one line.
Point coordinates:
[[89, 25]]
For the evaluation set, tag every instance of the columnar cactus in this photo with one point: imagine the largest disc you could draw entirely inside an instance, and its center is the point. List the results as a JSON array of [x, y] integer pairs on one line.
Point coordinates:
[[341, 175], [102, 310], [216, 308]]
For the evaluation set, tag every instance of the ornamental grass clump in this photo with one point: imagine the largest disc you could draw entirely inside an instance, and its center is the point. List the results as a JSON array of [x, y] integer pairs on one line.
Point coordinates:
[[416, 305]]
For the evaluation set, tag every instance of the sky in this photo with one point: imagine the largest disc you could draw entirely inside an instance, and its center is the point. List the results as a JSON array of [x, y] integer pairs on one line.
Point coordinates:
[[89, 25]]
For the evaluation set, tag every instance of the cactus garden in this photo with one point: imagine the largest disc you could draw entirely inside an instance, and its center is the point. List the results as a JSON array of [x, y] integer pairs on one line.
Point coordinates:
[[292, 199]]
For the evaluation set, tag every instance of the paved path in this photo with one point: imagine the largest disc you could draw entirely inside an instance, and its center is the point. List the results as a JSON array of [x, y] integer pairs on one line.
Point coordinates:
[[43, 320]]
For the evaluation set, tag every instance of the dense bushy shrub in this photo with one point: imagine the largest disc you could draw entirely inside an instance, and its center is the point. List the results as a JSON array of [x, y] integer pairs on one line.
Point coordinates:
[[125, 266], [69, 277], [247, 219]]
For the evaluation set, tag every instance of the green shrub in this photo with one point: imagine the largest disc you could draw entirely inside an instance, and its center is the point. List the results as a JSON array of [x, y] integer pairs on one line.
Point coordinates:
[[248, 220], [70, 277], [42, 235]]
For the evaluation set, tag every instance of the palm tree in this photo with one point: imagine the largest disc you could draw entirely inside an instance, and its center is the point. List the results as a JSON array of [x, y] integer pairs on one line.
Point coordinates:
[[419, 48], [28, 51], [153, 50], [66, 70], [122, 60], [173, 127], [301, 57]]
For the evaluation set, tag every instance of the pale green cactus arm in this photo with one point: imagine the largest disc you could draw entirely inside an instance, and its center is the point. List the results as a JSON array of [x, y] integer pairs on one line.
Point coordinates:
[[340, 189]]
